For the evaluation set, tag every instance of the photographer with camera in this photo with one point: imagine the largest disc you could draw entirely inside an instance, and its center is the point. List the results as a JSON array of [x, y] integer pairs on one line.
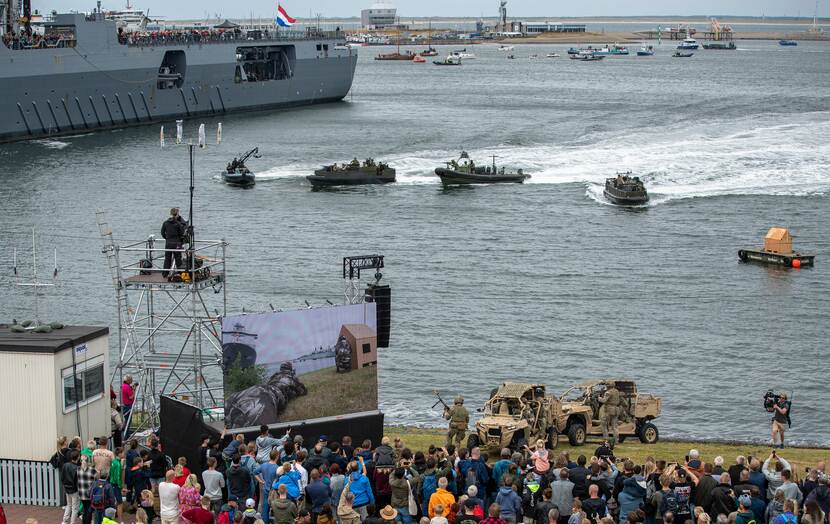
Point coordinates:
[[780, 409]]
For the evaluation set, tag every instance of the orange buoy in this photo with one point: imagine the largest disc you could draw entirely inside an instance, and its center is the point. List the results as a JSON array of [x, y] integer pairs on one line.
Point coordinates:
[[796, 263]]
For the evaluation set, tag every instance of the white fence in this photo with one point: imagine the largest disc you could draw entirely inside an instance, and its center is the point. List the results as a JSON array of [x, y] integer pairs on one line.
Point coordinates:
[[29, 483]]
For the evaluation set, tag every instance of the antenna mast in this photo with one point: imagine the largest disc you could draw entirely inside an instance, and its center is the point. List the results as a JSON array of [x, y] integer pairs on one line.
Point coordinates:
[[35, 284]]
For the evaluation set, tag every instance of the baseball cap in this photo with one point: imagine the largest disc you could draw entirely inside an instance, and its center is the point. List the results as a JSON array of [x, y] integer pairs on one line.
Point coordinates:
[[110, 513], [298, 438], [323, 438], [469, 503], [233, 498], [250, 503], [745, 501]]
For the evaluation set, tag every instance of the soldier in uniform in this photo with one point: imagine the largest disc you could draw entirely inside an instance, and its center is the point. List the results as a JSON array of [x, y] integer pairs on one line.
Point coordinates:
[[530, 417], [609, 411], [459, 418], [343, 355]]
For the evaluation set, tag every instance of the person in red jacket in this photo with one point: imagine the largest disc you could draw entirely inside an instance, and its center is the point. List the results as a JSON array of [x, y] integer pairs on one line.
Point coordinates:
[[200, 515], [127, 399]]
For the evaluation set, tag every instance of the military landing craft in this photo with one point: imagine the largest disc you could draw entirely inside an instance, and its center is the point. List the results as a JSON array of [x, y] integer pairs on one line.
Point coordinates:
[[352, 174], [625, 190]]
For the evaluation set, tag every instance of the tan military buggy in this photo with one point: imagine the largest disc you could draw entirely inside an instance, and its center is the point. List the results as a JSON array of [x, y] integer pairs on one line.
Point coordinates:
[[511, 410], [579, 415]]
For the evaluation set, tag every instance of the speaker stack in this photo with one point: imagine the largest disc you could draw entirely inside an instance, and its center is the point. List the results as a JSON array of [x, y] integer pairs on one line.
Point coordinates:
[[382, 296]]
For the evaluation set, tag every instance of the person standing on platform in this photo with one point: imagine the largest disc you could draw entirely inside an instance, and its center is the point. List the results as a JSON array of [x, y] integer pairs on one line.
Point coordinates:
[[173, 232], [127, 398]]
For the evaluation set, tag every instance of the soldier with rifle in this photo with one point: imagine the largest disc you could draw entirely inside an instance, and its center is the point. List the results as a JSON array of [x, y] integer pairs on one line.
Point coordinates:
[[458, 418]]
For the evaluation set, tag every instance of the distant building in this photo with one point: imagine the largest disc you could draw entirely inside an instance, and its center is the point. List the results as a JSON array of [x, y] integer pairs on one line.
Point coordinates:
[[553, 27], [381, 14]]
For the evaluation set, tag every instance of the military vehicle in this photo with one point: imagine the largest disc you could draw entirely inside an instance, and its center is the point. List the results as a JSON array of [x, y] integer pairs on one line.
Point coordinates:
[[511, 410], [515, 407], [579, 417]]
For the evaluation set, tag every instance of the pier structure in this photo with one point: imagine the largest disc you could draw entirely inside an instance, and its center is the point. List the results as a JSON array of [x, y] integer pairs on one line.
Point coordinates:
[[169, 333]]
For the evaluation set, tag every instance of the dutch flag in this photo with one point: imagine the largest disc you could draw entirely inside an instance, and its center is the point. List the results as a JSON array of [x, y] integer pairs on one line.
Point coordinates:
[[283, 20]]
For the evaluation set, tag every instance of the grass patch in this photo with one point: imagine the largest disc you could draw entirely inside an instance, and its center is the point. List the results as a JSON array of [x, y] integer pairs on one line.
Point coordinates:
[[421, 439], [331, 394]]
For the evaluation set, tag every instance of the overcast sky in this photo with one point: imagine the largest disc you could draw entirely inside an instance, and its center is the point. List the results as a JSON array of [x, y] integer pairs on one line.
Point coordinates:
[[520, 8]]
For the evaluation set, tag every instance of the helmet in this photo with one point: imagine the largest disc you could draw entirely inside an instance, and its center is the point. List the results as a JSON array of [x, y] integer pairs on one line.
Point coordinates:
[[458, 400]]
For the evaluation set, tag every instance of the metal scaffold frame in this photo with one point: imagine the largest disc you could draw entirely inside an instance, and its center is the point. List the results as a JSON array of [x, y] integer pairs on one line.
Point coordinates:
[[169, 332]]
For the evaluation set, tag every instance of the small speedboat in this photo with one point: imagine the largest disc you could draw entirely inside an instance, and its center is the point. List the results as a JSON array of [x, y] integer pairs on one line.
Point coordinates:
[[429, 52], [505, 48], [533, 57], [618, 50], [574, 51], [237, 174], [419, 59], [787, 43], [462, 53], [678, 54], [587, 57], [449, 61], [552, 55], [511, 57], [688, 43], [464, 172], [646, 51]]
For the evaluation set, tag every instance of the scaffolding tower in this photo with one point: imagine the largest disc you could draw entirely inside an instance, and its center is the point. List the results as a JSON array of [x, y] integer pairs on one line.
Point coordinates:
[[169, 333]]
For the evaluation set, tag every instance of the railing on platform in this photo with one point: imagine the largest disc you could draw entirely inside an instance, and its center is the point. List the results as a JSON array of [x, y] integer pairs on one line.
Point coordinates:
[[29, 483]]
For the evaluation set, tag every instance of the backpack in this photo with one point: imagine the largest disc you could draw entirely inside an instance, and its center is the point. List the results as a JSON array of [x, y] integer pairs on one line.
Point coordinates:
[[57, 460], [98, 495], [471, 478], [669, 503], [430, 485], [224, 518]]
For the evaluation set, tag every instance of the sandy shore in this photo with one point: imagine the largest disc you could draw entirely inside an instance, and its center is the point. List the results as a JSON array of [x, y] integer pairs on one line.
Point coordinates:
[[611, 37]]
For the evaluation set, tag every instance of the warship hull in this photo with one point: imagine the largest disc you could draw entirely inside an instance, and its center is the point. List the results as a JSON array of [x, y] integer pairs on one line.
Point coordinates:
[[101, 83]]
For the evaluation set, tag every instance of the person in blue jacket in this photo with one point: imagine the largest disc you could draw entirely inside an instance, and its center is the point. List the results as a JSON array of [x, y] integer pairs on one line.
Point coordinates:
[[290, 477], [359, 486], [474, 471]]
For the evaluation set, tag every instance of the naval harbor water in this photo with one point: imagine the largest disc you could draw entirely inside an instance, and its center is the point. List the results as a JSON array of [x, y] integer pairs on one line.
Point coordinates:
[[542, 282]]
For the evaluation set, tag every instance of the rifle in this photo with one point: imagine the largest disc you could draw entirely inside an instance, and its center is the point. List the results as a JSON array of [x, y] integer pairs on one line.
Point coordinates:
[[440, 400]]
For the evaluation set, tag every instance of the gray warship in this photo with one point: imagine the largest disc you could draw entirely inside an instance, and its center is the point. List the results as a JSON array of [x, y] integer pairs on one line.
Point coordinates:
[[83, 74]]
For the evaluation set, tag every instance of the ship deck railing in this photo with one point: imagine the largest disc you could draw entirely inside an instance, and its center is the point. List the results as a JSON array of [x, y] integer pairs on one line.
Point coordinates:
[[163, 38]]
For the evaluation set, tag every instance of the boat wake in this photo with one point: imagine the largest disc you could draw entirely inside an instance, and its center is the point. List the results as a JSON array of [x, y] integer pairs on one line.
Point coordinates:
[[763, 158], [766, 155], [51, 144]]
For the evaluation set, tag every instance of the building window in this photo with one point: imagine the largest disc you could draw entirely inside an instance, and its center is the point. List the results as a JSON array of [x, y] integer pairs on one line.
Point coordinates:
[[367, 348], [84, 385]]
